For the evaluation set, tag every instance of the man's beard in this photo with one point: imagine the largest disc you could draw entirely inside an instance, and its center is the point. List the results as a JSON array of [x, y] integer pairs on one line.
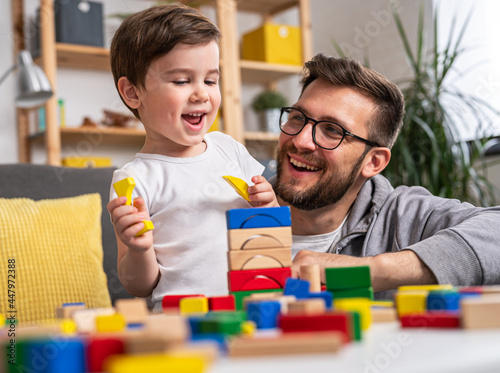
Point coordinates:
[[327, 191]]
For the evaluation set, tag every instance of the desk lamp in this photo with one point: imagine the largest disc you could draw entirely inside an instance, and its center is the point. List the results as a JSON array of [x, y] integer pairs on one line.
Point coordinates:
[[32, 86]]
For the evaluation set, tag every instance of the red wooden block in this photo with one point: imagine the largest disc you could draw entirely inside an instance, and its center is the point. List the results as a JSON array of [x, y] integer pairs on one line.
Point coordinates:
[[222, 303], [341, 321], [431, 320], [172, 301], [258, 279], [99, 349], [471, 290]]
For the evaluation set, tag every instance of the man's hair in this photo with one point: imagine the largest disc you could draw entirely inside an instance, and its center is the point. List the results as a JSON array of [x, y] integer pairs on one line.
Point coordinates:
[[345, 72], [150, 34]]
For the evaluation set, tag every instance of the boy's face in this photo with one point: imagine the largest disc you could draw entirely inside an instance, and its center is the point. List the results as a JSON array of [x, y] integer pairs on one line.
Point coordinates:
[[180, 99]]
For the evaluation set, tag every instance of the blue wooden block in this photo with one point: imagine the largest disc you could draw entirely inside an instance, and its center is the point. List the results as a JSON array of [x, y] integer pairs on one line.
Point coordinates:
[[259, 217], [218, 338], [297, 287], [264, 313], [443, 300], [56, 355], [326, 295]]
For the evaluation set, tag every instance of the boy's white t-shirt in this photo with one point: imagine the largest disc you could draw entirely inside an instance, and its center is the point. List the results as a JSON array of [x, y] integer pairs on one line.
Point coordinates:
[[187, 199]]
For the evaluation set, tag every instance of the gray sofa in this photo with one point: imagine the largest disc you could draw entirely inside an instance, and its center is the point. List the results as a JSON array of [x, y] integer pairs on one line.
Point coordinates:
[[41, 182]]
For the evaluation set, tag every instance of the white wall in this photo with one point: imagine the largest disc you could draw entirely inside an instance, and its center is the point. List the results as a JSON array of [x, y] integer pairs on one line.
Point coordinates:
[[361, 27]]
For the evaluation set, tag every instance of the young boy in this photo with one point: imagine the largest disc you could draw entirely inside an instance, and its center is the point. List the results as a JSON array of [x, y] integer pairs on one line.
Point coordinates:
[[165, 62]]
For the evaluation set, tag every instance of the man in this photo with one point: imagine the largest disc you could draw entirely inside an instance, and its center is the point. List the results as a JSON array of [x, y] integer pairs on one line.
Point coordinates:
[[335, 141]]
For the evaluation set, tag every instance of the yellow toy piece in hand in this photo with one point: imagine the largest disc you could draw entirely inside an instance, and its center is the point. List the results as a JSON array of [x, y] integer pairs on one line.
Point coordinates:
[[239, 185], [125, 187]]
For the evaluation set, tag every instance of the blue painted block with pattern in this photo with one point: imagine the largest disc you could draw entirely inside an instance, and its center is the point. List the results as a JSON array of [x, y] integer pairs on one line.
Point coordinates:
[[258, 217], [443, 300], [264, 313], [297, 287], [326, 295]]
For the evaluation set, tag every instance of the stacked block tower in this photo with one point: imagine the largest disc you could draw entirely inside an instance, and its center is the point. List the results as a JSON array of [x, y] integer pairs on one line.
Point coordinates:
[[259, 255]]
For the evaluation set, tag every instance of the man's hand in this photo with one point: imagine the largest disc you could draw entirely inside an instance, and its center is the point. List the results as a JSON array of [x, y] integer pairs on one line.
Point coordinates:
[[261, 194], [388, 271]]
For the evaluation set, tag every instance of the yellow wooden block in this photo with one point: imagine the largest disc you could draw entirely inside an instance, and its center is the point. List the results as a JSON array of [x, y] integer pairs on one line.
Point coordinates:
[[361, 305], [154, 363], [125, 187], [2, 321], [68, 327], [85, 162], [411, 302], [110, 323], [273, 43], [382, 303], [148, 226], [259, 238], [425, 287], [190, 305], [239, 185]]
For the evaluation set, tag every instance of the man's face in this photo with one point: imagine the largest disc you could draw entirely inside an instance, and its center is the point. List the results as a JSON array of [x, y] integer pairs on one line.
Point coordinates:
[[309, 177]]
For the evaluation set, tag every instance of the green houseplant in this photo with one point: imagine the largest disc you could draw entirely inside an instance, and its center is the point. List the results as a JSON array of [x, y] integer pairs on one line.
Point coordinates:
[[429, 151], [267, 104]]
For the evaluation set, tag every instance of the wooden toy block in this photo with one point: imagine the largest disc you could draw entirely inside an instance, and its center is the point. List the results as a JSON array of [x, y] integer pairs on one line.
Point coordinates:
[[155, 363], [239, 185], [226, 326], [383, 314], [425, 287], [172, 328], [343, 278], [264, 313], [189, 305], [434, 319], [110, 323], [271, 278], [357, 335], [240, 295], [311, 273], [354, 293], [100, 348], [409, 302], [207, 350], [146, 344], [382, 303], [125, 187], [221, 303], [85, 319], [172, 301], [470, 290], [240, 260], [330, 321], [360, 305], [287, 344], [481, 312], [297, 287], [134, 310], [327, 297], [70, 356], [248, 328], [307, 307], [490, 289], [446, 300], [260, 238], [67, 309], [258, 217]]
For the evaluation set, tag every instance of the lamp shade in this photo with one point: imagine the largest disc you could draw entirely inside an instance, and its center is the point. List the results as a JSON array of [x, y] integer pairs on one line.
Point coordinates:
[[33, 87]]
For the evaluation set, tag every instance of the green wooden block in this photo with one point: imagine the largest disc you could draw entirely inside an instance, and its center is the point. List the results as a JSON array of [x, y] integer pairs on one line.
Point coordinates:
[[343, 278], [239, 295], [354, 293], [225, 326], [356, 325]]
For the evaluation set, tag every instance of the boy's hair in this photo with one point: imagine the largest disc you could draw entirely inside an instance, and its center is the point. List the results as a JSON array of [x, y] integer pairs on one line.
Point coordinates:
[[345, 72], [150, 34]]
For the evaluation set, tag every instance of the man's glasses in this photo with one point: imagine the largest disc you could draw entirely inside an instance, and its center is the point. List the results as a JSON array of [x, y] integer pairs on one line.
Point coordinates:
[[325, 134]]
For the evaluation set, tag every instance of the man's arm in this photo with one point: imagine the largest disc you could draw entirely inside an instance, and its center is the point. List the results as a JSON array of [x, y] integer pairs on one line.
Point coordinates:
[[388, 270]]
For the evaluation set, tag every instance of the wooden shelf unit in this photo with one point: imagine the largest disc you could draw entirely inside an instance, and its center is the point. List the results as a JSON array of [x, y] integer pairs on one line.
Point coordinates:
[[234, 71]]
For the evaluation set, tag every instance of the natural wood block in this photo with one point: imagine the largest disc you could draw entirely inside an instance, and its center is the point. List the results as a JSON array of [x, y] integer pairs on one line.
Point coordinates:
[[384, 314], [481, 312], [259, 238], [134, 310], [259, 259], [287, 344], [311, 273], [307, 307], [169, 327], [85, 319], [65, 312]]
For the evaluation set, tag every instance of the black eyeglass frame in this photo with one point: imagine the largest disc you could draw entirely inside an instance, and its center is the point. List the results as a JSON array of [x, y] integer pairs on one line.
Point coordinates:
[[316, 122]]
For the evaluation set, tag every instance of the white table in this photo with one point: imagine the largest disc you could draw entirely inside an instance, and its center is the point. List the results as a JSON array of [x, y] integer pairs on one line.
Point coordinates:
[[387, 348]]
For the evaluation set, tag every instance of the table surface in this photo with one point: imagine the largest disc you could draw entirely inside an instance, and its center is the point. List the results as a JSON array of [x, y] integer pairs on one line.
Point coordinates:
[[386, 348]]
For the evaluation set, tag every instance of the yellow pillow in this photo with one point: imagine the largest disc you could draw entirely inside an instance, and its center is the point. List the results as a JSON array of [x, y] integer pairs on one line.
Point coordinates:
[[53, 248]]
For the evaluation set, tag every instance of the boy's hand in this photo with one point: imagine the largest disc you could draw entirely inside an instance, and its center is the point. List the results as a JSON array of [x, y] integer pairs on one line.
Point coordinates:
[[128, 221], [262, 194]]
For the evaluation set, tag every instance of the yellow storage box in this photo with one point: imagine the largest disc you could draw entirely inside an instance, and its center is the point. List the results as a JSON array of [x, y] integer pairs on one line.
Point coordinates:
[[87, 162], [273, 43]]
